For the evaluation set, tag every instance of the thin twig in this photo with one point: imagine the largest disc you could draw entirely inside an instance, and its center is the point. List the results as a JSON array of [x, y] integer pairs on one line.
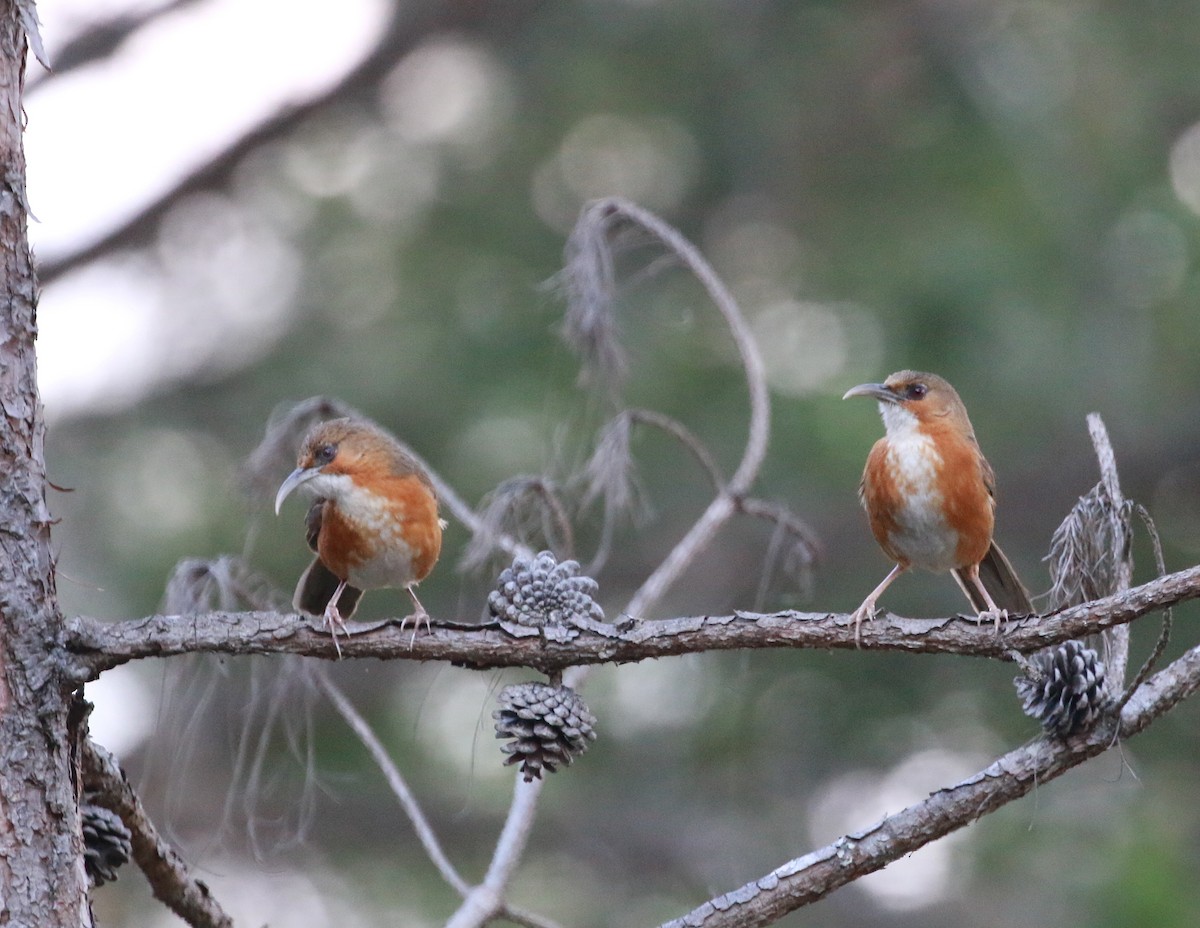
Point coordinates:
[[805, 549], [486, 900], [503, 521], [721, 508], [598, 280], [165, 869], [1164, 635], [526, 919], [395, 781], [412, 808], [687, 438]]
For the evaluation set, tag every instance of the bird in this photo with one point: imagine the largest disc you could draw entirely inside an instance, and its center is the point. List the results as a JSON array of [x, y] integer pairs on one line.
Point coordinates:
[[929, 494], [373, 521]]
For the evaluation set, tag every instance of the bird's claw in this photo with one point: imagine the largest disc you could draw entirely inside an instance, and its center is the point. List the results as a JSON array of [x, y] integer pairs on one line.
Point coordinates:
[[997, 616], [864, 612], [417, 618], [333, 624]]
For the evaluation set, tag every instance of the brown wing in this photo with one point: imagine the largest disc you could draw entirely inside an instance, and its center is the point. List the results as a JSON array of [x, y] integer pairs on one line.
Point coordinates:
[[312, 523], [1001, 581], [996, 572], [989, 476], [318, 583]]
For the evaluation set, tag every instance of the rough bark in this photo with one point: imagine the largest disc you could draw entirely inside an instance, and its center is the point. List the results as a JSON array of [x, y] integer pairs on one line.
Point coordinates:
[[42, 880], [96, 646]]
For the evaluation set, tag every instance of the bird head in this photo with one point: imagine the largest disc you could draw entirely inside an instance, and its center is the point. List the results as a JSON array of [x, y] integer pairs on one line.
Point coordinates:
[[910, 398], [337, 453]]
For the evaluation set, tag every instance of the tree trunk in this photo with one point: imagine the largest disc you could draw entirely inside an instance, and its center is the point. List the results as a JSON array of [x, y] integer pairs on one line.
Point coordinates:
[[42, 881]]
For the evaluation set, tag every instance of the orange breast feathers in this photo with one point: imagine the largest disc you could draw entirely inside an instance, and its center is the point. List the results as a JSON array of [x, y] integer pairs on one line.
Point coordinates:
[[383, 531], [928, 498], [968, 485]]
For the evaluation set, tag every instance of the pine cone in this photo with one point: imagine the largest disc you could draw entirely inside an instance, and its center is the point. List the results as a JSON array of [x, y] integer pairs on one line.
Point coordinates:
[[1063, 688], [106, 843], [550, 726], [542, 595]]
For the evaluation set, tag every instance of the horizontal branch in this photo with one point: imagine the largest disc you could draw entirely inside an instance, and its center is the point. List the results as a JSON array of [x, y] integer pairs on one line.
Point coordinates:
[[98, 646], [798, 882]]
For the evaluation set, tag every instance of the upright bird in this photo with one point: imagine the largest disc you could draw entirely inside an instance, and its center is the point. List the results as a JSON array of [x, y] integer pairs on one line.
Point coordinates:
[[373, 523], [929, 494]]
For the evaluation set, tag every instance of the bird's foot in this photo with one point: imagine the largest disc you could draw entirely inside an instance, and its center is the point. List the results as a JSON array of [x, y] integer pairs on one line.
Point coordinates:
[[417, 618], [997, 616], [335, 623], [864, 612]]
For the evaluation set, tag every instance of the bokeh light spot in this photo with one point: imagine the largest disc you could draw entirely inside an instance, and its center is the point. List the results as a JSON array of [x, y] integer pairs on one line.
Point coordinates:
[[651, 160], [1147, 258], [448, 91], [1185, 167]]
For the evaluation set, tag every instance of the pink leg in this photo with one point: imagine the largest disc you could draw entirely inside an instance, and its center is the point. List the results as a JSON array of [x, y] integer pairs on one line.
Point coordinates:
[[333, 618], [993, 611], [419, 615], [867, 609]]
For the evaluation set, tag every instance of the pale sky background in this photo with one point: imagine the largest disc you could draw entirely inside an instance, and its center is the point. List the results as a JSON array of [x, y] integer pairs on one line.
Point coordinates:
[[106, 139]]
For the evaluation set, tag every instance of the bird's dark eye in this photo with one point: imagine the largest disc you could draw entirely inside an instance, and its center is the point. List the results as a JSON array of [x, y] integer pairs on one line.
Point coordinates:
[[325, 453], [915, 391]]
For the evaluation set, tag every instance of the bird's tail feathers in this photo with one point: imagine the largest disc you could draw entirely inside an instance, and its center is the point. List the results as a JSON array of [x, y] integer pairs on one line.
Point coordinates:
[[316, 588], [1000, 580]]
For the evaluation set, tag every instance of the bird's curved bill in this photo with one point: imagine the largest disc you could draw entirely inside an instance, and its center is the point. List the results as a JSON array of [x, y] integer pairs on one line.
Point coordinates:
[[293, 480], [874, 390]]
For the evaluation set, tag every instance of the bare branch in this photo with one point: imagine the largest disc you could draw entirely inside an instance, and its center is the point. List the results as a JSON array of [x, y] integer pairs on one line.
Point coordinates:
[[166, 871], [610, 473], [591, 325], [1164, 635], [794, 543], [487, 899], [520, 515], [412, 809], [813, 876], [396, 782], [1116, 640], [590, 281], [98, 645]]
